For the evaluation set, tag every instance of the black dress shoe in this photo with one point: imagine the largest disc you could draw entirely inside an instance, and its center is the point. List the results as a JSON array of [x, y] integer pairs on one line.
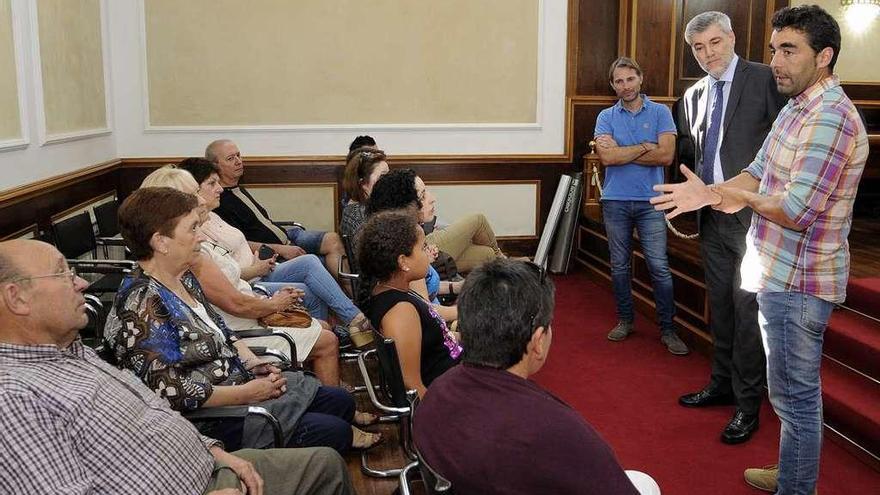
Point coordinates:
[[740, 428], [706, 397]]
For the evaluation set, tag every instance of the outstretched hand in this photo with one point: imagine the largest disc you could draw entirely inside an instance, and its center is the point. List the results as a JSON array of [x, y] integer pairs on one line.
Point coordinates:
[[690, 195]]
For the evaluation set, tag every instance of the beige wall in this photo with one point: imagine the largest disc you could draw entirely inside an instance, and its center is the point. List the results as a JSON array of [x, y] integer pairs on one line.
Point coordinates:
[[228, 62], [10, 123], [859, 58], [72, 65], [310, 205], [510, 207]]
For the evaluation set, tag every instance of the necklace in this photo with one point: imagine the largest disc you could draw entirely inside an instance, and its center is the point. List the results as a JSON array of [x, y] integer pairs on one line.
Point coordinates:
[[380, 284]]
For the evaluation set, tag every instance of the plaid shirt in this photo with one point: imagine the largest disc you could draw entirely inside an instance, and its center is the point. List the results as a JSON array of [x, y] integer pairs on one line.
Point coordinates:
[[71, 423], [814, 157]]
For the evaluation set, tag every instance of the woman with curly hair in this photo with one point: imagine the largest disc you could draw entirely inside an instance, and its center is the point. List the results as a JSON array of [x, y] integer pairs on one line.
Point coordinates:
[[402, 188], [391, 253], [470, 241]]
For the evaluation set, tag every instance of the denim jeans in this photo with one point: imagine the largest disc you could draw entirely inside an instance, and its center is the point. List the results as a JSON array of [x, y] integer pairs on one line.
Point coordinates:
[[793, 328], [620, 218], [321, 288]]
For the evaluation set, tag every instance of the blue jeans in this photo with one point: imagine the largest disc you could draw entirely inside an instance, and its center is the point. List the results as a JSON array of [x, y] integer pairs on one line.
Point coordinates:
[[308, 273], [620, 218], [793, 329]]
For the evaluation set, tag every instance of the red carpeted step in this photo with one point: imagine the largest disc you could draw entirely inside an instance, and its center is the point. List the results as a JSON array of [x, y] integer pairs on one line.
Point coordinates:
[[854, 340], [863, 294], [852, 405]]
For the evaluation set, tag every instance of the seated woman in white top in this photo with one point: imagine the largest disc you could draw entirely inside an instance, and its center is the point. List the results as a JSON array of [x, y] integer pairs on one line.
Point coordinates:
[[239, 306]]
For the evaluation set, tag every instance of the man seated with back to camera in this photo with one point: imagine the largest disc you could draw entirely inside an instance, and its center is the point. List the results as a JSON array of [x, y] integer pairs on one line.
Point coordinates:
[[484, 424], [73, 423]]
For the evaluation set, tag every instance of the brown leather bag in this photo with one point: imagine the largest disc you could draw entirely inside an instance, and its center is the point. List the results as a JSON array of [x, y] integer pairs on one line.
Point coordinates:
[[294, 316]]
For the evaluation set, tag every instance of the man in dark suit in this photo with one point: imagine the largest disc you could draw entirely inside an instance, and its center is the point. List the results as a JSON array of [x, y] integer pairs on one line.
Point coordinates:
[[728, 114]]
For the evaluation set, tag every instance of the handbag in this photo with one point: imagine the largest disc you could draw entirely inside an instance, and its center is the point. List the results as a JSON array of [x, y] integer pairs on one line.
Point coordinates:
[[294, 316]]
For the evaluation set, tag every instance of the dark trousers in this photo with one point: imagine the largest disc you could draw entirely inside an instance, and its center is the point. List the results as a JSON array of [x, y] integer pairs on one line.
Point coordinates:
[[738, 363], [327, 421]]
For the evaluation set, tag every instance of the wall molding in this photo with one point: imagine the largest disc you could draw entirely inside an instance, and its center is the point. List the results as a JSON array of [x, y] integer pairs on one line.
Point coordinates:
[[43, 136], [150, 128], [548, 133], [17, 20], [49, 184]]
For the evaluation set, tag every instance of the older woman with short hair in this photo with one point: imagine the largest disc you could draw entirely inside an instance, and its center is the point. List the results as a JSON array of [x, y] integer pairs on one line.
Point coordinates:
[[237, 303], [162, 328]]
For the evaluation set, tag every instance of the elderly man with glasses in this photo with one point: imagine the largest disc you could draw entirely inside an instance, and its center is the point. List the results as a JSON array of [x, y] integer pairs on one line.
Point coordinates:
[[72, 423]]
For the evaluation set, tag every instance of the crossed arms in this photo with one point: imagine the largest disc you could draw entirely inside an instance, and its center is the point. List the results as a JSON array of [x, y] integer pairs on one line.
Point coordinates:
[[647, 153]]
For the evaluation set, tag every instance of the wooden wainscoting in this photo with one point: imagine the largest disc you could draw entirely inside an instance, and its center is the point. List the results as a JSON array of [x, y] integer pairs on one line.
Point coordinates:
[[691, 300], [544, 172], [38, 202]]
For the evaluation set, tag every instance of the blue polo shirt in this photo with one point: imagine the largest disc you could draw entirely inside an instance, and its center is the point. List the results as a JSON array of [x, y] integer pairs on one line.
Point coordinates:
[[632, 181]]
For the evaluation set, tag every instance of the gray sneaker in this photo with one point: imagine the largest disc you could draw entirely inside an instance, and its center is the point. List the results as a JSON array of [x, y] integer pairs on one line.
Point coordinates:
[[674, 344], [621, 331]]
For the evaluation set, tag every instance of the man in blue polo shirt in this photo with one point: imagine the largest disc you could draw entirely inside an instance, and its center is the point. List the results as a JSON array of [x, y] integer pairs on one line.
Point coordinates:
[[635, 141]]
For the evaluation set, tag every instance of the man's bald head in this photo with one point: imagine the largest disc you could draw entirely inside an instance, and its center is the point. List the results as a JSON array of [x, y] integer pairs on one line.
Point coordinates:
[[14, 256], [211, 152], [41, 299], [226, 157]]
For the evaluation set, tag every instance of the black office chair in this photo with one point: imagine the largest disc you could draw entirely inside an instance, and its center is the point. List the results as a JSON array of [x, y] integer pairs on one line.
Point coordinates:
[[75, 237], [434, 482], [394, 393], [107, 221], [352, 274]]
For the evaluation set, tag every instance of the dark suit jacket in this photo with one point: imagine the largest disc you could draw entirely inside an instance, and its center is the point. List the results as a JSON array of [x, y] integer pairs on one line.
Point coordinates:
[[752, 107]]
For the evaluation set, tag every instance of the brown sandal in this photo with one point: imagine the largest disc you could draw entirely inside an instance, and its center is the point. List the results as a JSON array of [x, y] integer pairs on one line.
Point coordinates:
[[362, 440]]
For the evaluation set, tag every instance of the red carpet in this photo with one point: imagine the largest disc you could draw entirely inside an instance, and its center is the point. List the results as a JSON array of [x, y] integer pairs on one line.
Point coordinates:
[[862, 295], [628, 391]]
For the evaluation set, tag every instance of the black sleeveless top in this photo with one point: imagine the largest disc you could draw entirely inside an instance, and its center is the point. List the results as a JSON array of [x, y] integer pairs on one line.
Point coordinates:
[[435, 357]]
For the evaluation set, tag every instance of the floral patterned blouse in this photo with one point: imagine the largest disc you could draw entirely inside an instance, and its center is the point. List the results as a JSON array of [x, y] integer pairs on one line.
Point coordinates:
[[167, 345]]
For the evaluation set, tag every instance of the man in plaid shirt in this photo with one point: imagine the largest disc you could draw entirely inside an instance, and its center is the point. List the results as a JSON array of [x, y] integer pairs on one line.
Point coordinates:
[[72, 423], [801, 186]]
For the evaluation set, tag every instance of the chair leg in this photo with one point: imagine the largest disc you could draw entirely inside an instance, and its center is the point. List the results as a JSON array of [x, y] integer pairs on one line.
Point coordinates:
[[377, 473], [404, 477]]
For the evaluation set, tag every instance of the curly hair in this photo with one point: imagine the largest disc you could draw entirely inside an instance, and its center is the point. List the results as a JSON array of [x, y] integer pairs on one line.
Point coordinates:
[[384, 237], [200, 168], [394, 190], [359, 167]]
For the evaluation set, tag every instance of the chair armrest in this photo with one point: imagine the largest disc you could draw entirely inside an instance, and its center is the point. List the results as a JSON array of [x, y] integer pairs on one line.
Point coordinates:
[[102, 266], [289, 223], [232, 412], [269, 332], [110, 241]]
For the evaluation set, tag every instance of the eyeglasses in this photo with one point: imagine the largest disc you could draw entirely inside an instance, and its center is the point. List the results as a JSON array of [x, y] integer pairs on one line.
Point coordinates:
[[69, 273]]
